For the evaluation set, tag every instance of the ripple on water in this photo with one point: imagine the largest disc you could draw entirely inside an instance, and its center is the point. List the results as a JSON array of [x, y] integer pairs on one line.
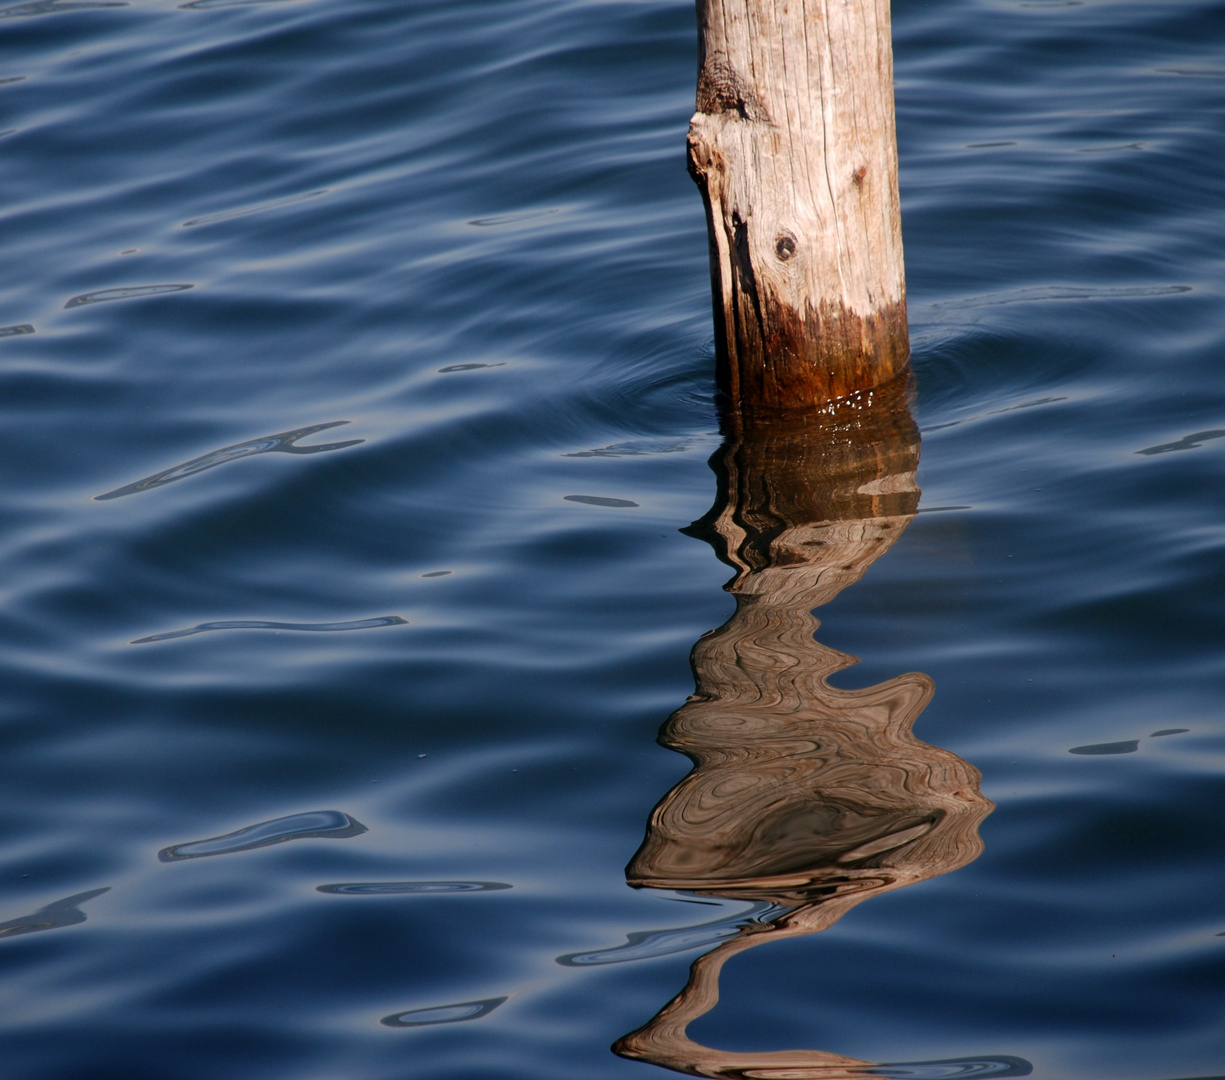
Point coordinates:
[[443, 1014], [1187, 442], [261, 624], [639, 448], [66, 912], [127, 292], [54, 7], [1047, 293], [1124, 746], [511, 219], [598, 500], [208, 5], [959, 1068], [315, 824], [281, 443], [650, 944], [401, 888], [259, 208]]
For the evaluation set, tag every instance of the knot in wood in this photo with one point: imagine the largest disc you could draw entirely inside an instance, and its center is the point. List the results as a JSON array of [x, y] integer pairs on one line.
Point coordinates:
[[785, 245], [722, 90], [859, 174]]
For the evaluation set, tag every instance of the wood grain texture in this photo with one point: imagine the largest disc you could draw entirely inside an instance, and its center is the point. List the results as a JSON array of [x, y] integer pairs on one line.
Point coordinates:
[[802, 794], [794, 148]]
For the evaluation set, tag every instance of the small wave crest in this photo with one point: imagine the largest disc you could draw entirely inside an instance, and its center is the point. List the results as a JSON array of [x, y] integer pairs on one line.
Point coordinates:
[[315, 824]]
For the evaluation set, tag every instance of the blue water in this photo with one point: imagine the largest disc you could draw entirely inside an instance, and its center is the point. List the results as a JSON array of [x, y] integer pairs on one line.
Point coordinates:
[[385, 695]]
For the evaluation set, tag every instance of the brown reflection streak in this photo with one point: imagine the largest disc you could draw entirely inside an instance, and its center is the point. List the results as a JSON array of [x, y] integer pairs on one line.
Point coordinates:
[[802, 794]]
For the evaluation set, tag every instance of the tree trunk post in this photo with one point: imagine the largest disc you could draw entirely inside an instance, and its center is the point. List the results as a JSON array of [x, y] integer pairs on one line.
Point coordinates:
[[794, 147]]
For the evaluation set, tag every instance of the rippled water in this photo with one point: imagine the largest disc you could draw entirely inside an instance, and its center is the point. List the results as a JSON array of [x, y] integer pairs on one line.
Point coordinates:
[[464, 231]]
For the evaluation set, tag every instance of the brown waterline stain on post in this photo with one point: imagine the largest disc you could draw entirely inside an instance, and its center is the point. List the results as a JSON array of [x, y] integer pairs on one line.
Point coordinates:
[[789, 364]]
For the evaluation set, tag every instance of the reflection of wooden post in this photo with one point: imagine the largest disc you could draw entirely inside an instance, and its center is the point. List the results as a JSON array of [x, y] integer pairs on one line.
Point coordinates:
[[802, 794], [794, 148], [801, 790]]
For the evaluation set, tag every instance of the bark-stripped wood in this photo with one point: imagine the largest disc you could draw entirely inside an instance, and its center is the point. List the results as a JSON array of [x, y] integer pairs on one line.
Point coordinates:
[[802, 794], [794, 148]]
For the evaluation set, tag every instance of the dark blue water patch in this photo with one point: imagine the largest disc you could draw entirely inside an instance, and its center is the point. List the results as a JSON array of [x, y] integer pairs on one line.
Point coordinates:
[[1187, 442], [941, 509], [443, 1014], [246, 211], [127, 292], [1125, 746], [17, 330], [315, 824], [281, 443], [410, 888], [260, 624], [599, 500], [472, 366], [66, 912], [438, 573], [652, 944], [954, 1068]]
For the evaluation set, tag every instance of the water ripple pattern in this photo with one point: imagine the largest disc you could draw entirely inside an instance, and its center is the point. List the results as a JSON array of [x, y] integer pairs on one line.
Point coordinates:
[[443, 1014], [246, 211], [316, 825], [409, 888], [66, 912], [127, 292], [1187, 442], [464, 231], [648, 945], [955, 1068], [260, 624], [599, 500], [54, 7], [281, 443]]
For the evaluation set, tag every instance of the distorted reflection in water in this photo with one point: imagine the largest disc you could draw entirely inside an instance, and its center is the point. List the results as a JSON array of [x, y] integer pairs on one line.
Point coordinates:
[[803, 797]]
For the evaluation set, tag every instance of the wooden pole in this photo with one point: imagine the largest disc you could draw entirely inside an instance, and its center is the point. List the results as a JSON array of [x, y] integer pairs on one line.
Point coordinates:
[[794, 148]]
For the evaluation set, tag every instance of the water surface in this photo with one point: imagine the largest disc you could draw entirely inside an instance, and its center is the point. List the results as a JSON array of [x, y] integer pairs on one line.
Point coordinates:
[[401, 683]]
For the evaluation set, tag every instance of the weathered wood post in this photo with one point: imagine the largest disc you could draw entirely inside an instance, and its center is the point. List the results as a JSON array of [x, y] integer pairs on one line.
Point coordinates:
[[794, 148]]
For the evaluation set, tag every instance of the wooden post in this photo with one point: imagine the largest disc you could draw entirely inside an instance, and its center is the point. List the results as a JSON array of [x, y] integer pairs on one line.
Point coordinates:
[[794, 148]]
